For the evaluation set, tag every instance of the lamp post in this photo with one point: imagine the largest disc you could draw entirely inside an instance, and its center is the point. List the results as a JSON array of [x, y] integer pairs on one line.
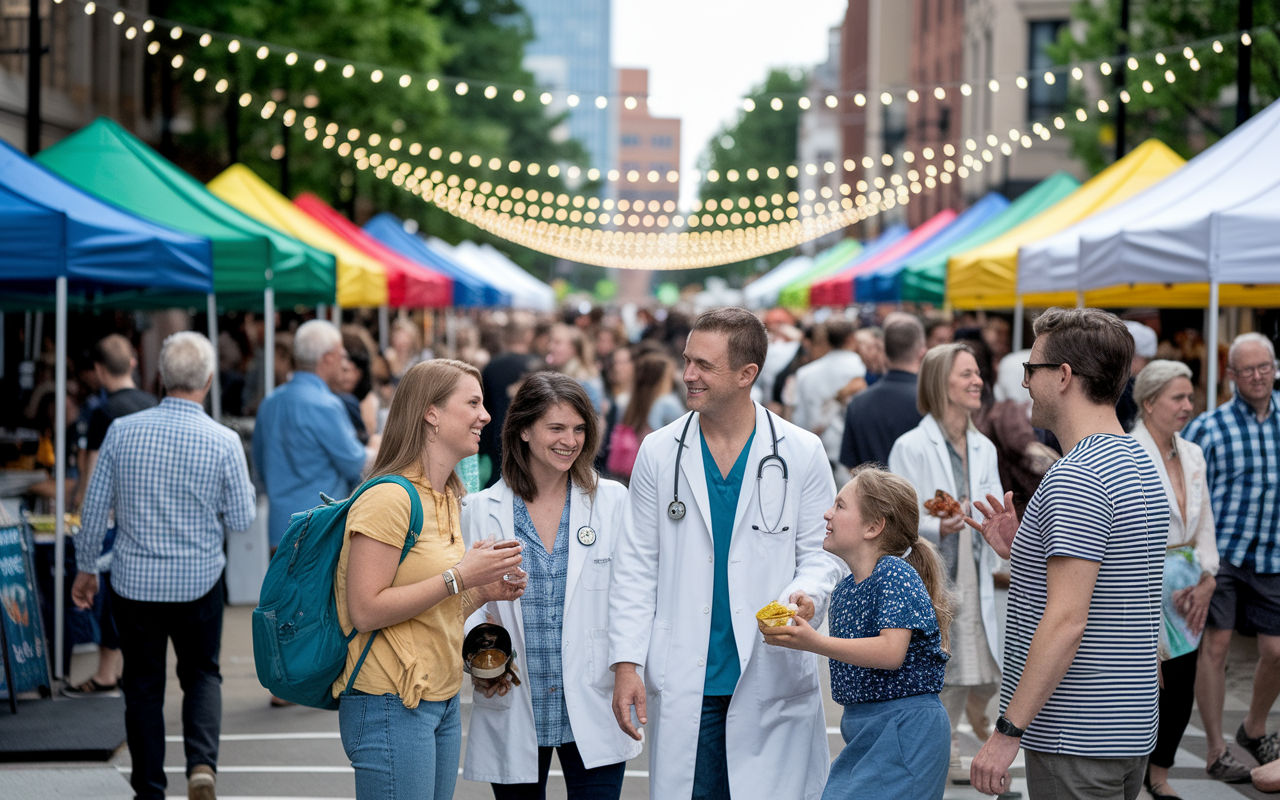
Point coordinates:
[[1244, 64], [35, 51], [1121, 106]]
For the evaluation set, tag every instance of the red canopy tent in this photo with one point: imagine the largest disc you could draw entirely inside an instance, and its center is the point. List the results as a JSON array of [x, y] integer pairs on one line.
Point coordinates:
[[838, 289]]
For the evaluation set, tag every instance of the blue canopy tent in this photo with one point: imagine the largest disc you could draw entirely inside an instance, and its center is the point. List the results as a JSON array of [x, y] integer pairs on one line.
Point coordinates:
[[58, 238], [469, 289], [884, 284]]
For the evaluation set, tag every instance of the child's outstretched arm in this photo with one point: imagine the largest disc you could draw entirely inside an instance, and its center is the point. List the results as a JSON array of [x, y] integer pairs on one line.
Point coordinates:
[[885, 651]]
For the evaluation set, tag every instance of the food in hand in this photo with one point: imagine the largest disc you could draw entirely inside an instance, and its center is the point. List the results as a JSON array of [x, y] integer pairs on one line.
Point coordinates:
[[943, 506], [488, 659], [775, 615]]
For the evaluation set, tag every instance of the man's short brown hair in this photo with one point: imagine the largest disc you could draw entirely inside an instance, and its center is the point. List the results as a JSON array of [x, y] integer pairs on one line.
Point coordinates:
[[748, 339], [1096, 344], [115, 354]]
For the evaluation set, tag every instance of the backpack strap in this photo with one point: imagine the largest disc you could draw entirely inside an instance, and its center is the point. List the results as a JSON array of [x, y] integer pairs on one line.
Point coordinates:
[[410, 539]]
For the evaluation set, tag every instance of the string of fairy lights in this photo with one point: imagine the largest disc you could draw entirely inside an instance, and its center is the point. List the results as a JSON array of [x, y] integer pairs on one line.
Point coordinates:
[[584, 228]]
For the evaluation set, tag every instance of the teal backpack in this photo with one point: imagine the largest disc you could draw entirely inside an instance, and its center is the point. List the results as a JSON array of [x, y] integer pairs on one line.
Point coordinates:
[[298, 645]]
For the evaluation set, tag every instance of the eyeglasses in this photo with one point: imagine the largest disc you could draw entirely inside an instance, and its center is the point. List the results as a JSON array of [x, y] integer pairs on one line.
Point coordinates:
[[1262, 370], [1028, 368]]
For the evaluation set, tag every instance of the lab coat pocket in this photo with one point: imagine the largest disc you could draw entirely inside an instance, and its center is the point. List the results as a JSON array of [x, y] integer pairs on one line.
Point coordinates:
[[655, 664], [789, 673], [496, 703], [601, 676], [595, 573]]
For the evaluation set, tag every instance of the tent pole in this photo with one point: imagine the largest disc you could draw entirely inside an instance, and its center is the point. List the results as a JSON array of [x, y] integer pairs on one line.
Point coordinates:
[[37, 338], [1018, 313], [215, 390], [451, 333], [1211, 338], [60, 477], [384, 335], [268, 341], [337, 314], [321, 313], [1079, 299]]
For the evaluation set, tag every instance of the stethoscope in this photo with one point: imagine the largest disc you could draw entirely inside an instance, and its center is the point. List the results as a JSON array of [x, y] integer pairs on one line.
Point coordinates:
[[676, 509]]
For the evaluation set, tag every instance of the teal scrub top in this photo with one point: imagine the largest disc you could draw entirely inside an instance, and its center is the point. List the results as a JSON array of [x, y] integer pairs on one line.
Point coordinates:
[[723, 668]]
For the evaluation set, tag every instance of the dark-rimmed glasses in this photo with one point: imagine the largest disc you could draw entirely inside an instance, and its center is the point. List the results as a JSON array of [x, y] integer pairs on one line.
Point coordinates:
[[1028, 368]]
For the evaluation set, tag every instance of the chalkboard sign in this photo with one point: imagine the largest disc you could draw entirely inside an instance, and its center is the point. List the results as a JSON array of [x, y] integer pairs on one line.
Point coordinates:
[[26, 655]]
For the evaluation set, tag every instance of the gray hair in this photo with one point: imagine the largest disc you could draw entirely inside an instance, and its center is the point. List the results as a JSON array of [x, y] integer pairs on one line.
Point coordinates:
[[1249, 338], [312, 341], [1154, 378], [186, 362]]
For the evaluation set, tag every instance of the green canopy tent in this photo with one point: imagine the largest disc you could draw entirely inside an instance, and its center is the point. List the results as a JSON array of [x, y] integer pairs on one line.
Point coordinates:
[[925, 280], [795, 294], [254, 265]]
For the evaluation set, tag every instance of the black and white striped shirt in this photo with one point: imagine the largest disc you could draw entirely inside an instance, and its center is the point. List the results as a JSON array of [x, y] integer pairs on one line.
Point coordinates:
[[1103, 502]]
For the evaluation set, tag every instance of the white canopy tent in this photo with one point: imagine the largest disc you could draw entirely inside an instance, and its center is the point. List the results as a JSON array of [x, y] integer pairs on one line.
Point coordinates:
[[526, 291], [763, 291]]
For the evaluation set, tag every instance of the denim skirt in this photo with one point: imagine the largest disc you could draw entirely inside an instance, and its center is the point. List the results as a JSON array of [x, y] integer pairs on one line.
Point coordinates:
[[893, 750]]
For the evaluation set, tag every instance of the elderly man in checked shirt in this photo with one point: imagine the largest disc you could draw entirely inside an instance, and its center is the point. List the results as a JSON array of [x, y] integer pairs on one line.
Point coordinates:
[[175, 480]]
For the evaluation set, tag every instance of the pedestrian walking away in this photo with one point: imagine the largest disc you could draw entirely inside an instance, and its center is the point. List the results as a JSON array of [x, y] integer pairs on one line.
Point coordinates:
[[732, 487], [174, 479]]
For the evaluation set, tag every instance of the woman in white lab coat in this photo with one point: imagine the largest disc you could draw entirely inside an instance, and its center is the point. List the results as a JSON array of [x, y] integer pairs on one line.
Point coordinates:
[[553, 502], [945, 451]]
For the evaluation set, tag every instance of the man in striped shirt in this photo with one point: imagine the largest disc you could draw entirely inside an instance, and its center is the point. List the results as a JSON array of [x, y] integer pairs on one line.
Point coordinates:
[[175, 479], [1080, 681], [1241, 443]]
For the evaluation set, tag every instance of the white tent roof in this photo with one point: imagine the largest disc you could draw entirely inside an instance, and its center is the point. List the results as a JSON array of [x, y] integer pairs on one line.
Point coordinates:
[[1149, 237], [763, 291], [526, 291], [1244, 247]]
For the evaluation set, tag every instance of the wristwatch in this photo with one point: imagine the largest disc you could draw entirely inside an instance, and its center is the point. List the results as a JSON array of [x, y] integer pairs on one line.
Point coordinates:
[[450, 582], [1007, 728]]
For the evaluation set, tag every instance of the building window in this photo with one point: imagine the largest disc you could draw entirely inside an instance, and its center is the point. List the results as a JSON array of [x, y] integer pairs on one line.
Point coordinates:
[[1044, 99], [663, 168], [630, 140], [662, 142]]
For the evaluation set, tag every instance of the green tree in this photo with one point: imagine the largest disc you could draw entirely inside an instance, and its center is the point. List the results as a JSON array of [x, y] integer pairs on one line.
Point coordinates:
[[1191, 113], [480, 41]]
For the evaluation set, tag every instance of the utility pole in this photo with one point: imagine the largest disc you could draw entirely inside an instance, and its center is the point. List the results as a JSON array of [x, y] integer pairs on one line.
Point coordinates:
[[1121, 69], [1244, 65], [35, 51]]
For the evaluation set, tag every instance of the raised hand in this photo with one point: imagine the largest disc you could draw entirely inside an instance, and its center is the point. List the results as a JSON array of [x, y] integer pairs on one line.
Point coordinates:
[[999, 524]]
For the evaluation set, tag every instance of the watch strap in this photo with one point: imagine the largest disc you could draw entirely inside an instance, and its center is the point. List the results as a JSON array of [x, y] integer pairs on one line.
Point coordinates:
[[1007, 728]]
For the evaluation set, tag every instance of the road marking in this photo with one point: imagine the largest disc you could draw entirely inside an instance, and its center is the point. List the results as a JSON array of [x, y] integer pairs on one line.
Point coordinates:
[[264, 737], [329, 770]]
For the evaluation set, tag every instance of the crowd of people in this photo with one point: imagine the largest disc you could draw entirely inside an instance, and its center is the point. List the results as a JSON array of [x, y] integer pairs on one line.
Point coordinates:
[[872, 476]]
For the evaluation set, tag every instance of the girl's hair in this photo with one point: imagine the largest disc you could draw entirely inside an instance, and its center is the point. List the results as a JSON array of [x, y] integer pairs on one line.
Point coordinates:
[[405, 437], [653, 372], [539, 392], [935, 375], [883, 495]]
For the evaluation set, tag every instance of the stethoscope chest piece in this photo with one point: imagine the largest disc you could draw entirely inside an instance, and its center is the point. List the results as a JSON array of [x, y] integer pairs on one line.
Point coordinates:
[[675, 510], [586, 535]]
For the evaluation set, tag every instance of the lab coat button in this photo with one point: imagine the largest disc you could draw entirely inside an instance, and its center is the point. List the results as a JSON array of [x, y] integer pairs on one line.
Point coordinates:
[[701, 662], [706, 610], [712, 559]]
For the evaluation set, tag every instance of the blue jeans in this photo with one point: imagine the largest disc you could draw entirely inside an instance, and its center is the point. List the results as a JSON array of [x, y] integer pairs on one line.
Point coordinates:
[[401, 753], [711, 768], [601, 783]]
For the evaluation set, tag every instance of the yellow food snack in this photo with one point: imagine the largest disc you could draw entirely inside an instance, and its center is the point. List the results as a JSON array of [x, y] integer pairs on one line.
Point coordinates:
[[775, 615]]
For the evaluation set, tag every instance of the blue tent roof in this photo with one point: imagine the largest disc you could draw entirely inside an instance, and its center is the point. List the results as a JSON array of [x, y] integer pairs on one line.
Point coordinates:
[[469, 289], [98, 247], [884, 284]]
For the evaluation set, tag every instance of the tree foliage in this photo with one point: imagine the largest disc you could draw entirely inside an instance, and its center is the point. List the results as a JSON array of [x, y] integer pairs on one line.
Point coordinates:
[[479, 40], [1191, 113]]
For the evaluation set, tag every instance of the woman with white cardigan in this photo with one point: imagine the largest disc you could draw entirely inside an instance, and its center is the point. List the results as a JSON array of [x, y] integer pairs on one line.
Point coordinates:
[[945, 451], [568, 519], [1163, 393]]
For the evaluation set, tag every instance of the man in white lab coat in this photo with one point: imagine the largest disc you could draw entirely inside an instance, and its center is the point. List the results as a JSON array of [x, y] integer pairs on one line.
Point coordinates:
[[724, 516]]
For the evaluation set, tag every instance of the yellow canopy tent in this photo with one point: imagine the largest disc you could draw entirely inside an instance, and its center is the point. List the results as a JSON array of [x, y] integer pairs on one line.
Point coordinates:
[[986, 277], [362, 280]]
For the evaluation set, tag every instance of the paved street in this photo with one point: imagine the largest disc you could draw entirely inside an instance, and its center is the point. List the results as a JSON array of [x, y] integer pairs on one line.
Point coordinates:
[[295, 752]]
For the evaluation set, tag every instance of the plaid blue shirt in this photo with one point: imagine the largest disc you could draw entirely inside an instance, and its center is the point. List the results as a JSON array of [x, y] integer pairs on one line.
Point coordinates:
[[1243, 458], [542, 610], [174, 478]]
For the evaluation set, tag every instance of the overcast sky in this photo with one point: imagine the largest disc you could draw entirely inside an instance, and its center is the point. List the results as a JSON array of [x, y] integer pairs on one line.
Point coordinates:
[[704, 55]]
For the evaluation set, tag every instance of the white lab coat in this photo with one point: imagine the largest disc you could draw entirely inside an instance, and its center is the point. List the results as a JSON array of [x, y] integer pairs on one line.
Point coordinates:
[[660, 611], [817, 384], [920, 455], [502, 741]]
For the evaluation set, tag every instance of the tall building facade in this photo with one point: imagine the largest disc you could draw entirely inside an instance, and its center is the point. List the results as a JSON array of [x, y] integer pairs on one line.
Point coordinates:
[[648, 154], [819, 138], [571, 53], [937, 59]]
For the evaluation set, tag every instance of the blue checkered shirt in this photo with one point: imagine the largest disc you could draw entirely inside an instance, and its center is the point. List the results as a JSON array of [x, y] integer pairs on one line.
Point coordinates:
[[1243, 458], [542, 610], [174, 479]]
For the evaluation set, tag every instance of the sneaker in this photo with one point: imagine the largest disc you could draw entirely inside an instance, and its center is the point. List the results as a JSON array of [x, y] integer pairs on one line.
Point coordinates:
[[1264, 749], [201, 782], [91, 688], [1228, 769], [956, 772]]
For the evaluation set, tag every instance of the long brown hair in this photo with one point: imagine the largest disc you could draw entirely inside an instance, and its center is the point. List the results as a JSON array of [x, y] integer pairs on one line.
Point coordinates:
[[652, 371], [539, 392], [883, 495], [405, 438]]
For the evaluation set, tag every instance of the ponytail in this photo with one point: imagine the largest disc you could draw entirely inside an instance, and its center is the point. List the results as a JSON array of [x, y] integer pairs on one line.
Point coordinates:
[[883, 495], [923, 558]]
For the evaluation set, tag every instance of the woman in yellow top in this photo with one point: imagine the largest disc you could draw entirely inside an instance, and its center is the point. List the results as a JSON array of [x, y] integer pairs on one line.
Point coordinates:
[[400, 724]]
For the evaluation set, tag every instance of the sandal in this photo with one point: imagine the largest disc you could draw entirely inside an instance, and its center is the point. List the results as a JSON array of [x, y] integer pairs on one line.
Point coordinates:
[[91, 688]]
